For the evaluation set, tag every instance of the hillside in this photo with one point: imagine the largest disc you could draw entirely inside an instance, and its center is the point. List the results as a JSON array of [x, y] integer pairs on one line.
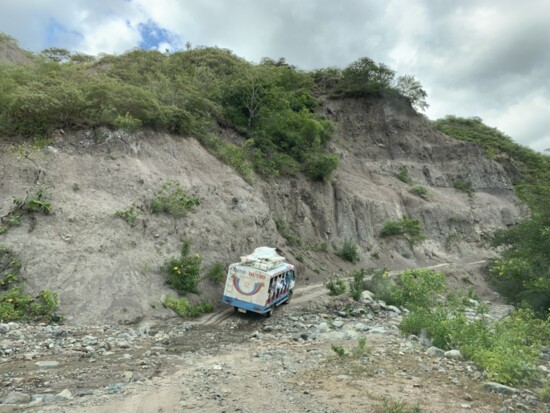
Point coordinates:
[[130, 183], [106, 270]]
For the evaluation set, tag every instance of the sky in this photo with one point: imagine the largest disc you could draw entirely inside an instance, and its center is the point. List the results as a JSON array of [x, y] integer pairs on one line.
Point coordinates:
[[484, 58]]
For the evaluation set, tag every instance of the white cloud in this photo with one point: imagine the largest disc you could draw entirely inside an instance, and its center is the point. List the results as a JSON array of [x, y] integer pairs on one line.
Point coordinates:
[[474, 57]]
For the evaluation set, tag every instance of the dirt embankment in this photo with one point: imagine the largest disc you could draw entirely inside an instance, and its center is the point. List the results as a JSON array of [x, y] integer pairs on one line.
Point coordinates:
[[106, 270]]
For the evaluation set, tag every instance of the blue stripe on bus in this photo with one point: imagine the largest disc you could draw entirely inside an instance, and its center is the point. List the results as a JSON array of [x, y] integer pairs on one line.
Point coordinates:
[[256, 308]]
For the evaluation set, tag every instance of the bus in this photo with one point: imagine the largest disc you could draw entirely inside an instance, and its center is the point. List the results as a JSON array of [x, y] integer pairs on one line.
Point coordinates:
[[260, 282]]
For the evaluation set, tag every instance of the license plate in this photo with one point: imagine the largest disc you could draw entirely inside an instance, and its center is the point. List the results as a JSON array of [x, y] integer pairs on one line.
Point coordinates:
[[241, 310]]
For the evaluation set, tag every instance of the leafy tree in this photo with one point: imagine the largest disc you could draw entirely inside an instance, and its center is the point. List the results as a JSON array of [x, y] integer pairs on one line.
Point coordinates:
[[412, 89], [364, 77], [56, 54]]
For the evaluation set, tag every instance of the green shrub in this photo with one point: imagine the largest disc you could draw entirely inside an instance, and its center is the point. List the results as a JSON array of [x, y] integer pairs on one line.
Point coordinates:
[[15, 304], [3, 229], [319, 167], [287, 232], [339, 350], [318, 247], [183, 308], [216, 272], [129, 214], [464, 186], [421, 191], [395, 406], [411, 288], [410, 228], [357, 285], [507, 350], [172, 199], [127, 123], [336, 286], [403, 175], [391, 228], [183, 272], [349, 251], [545, 392]]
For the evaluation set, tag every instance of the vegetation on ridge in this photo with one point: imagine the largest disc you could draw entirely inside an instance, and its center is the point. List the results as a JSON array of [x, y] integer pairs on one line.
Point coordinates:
[[271, 106], [523, 272]]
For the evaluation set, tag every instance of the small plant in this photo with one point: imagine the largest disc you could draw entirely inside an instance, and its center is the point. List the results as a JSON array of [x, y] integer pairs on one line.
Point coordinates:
[[421, 191], [127, 123], [183, 273], [216, 272], [339, 350], [403, 175], [545, 392], [183, 308], [36, 202], [357, 285], [349, 251], [410, 228], [129, 214], [3, 229], [464, 186], [336, 286], [299, 257], [286, 231], [375, 255], [15, 304], [318, 247], [395, 406], [172, 199], [361, 349]]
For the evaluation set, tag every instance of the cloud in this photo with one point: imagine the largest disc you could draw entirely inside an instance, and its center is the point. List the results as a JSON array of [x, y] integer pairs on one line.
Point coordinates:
[[474, 57]]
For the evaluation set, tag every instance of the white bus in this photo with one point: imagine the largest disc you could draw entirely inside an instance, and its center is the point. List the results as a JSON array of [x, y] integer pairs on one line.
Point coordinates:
[[262, 281]]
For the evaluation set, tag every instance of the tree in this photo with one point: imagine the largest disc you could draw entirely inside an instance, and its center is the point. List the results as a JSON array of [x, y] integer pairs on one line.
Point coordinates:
[[411, 88], [56, 54], [523, 273], [364, 77]]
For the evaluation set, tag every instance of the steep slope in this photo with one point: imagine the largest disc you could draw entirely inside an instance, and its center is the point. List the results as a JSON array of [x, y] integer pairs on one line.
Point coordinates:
[[108, 271]]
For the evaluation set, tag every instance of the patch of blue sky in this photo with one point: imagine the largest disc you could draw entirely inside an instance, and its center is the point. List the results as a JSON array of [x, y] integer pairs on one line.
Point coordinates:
[[156, 37], [57, 33]]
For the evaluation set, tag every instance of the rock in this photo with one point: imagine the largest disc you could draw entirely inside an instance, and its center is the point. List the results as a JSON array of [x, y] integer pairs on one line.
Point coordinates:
[[377, 330], [4, 328], [435, 352], [323, 327], [361, 327], [367, 296], [465, 406], [337, 324], [64, 395], [394, 309], [453, 354], [374, 307], [16, 397], [127, 376], [47, 364], [357, 312], [351, 335], [499, 388], [468, 398]]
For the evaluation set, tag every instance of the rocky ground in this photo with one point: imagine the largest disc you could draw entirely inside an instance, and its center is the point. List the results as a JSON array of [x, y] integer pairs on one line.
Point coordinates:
[[321, 355]]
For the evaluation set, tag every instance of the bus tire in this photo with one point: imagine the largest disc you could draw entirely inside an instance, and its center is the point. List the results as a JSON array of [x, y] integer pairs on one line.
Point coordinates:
[[269, 313]]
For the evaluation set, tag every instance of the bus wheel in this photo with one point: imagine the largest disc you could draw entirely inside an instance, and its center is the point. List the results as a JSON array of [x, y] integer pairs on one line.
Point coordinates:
[[269, 313]]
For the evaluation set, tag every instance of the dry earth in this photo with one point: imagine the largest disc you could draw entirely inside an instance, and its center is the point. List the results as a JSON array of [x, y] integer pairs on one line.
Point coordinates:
[[228, 362]]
